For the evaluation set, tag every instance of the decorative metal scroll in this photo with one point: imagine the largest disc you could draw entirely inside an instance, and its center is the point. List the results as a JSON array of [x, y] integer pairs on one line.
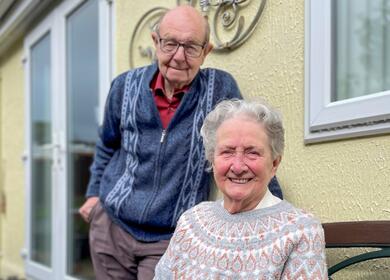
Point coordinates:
[[143, 29], [227, 19]]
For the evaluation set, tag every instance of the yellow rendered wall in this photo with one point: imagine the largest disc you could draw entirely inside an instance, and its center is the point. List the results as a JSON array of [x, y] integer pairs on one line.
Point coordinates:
[[12, 186], [337, 181]]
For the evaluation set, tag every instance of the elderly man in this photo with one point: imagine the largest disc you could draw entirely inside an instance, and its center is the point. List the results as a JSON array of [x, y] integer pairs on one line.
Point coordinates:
[[149, 165]]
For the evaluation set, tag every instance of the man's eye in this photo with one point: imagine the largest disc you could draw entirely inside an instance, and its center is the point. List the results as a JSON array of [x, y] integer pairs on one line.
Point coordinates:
[[191, 48], [170, 44]]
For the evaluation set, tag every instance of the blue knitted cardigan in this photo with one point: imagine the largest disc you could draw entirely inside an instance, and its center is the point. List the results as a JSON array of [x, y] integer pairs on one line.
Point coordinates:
[[147, 176]]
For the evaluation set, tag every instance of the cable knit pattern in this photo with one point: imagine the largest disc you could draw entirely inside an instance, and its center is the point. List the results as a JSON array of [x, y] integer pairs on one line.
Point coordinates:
[[124, 185], [278, 242], [197, 159]]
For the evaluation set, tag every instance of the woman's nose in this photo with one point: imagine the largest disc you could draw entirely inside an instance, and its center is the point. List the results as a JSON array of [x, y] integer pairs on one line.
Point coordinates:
[[238, 164]]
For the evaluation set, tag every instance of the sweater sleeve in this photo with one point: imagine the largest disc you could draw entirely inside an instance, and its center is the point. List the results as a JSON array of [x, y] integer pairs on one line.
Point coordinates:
[[307, 259], [165, 267], [109, 135]]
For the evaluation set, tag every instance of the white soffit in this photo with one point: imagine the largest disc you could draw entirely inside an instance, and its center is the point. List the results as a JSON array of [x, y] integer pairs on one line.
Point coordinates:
[[16, 17]]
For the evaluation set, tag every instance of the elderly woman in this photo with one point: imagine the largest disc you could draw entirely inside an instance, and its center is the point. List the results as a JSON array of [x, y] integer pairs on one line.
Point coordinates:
[[250, 234]]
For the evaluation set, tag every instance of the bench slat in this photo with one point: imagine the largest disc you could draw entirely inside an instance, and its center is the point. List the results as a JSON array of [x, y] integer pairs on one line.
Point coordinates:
[[357, 234]]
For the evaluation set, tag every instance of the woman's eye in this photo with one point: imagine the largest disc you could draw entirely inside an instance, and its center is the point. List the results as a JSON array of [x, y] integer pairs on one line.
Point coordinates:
[[253, 153]]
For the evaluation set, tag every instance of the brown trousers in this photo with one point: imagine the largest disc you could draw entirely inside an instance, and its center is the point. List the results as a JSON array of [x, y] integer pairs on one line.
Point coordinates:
[[116, 254]]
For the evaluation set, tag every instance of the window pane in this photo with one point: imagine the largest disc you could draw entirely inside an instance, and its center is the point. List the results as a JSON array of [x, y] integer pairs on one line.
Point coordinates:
[[82, 100], [361, 34], [41, 152]]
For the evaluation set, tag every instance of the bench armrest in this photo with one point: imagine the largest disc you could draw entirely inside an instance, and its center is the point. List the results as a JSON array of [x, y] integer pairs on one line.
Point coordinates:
[[358, 234]]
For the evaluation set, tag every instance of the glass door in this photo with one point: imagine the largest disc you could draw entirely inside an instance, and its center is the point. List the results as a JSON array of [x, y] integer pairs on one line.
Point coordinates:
[[82, 60], [42, 151], [67, 77]]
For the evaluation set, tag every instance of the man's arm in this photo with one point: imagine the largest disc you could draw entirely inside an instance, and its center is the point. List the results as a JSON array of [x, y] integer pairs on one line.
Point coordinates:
[[86, 208], [108, 142], [274, 187]]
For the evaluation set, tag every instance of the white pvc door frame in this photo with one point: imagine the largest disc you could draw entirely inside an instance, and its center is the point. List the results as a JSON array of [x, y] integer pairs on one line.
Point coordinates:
[[55, 24]]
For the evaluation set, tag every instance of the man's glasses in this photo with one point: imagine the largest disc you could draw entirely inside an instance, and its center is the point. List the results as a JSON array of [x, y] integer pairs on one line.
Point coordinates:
[[170, 46]]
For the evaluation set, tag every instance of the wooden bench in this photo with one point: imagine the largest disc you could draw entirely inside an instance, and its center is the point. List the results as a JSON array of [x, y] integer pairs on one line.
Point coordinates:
[[370, 234]]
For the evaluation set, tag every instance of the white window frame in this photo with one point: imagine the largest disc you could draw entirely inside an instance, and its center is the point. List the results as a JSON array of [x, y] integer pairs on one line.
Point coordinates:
[[326, 120]]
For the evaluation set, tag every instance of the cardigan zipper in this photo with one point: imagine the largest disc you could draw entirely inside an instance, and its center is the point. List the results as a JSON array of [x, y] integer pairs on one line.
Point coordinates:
[[157, 177], [163, 136]]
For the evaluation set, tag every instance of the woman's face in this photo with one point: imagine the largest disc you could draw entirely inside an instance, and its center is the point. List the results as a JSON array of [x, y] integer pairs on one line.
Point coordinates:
[[243, 164]]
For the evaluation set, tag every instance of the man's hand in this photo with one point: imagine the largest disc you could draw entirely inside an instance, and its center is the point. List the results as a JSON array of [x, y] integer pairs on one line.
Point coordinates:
[[86, 208]]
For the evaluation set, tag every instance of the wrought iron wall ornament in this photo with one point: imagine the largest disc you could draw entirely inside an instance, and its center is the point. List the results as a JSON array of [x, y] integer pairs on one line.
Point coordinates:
[[143, 29], [226, 17]]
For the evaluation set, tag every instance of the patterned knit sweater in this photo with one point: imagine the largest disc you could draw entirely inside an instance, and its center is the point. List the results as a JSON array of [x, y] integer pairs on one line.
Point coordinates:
[[278, 242]]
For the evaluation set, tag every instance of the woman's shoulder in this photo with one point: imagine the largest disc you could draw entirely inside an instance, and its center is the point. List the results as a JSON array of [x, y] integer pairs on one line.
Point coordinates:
[[197, 214], [203, 209], [299, 215]]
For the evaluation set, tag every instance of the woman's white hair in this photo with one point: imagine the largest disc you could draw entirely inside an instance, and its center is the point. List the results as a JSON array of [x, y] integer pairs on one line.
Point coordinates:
[[259, 111]]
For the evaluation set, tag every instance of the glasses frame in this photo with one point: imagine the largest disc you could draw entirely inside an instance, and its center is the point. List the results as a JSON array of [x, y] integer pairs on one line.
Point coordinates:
[[178, 45]]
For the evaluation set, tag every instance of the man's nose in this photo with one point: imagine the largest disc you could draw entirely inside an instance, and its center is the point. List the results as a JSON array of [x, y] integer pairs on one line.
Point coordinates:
[[180, 53]]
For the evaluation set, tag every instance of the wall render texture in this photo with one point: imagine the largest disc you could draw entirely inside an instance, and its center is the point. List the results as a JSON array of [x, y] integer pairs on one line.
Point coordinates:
[[343, 180], [337, 181], [12, 170]]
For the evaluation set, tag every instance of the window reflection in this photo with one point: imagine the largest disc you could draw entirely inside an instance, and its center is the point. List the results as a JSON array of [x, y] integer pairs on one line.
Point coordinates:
[[361, 44], [42, 150], [82, 101]]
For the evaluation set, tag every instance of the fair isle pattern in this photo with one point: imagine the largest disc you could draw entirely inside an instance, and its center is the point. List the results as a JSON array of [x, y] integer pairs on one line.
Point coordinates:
[[124, 185], [196, 160], [279, 242]]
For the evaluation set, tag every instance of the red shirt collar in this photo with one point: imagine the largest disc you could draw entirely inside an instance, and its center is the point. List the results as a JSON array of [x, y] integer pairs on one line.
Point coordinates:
[[157, 85]]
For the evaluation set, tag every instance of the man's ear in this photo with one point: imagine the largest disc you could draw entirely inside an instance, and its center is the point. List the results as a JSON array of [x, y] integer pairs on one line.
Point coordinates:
[[206, 51], [208, 48], [155, 39]]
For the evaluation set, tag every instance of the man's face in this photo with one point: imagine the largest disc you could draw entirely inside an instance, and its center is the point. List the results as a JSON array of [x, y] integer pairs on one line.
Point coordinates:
[[179, 69]]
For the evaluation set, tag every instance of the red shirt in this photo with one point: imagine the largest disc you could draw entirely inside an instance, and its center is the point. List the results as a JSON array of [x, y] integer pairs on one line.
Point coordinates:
[[166, 107]]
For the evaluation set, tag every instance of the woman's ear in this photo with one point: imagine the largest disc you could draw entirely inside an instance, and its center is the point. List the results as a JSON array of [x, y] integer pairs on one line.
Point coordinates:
[[275, 164]]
